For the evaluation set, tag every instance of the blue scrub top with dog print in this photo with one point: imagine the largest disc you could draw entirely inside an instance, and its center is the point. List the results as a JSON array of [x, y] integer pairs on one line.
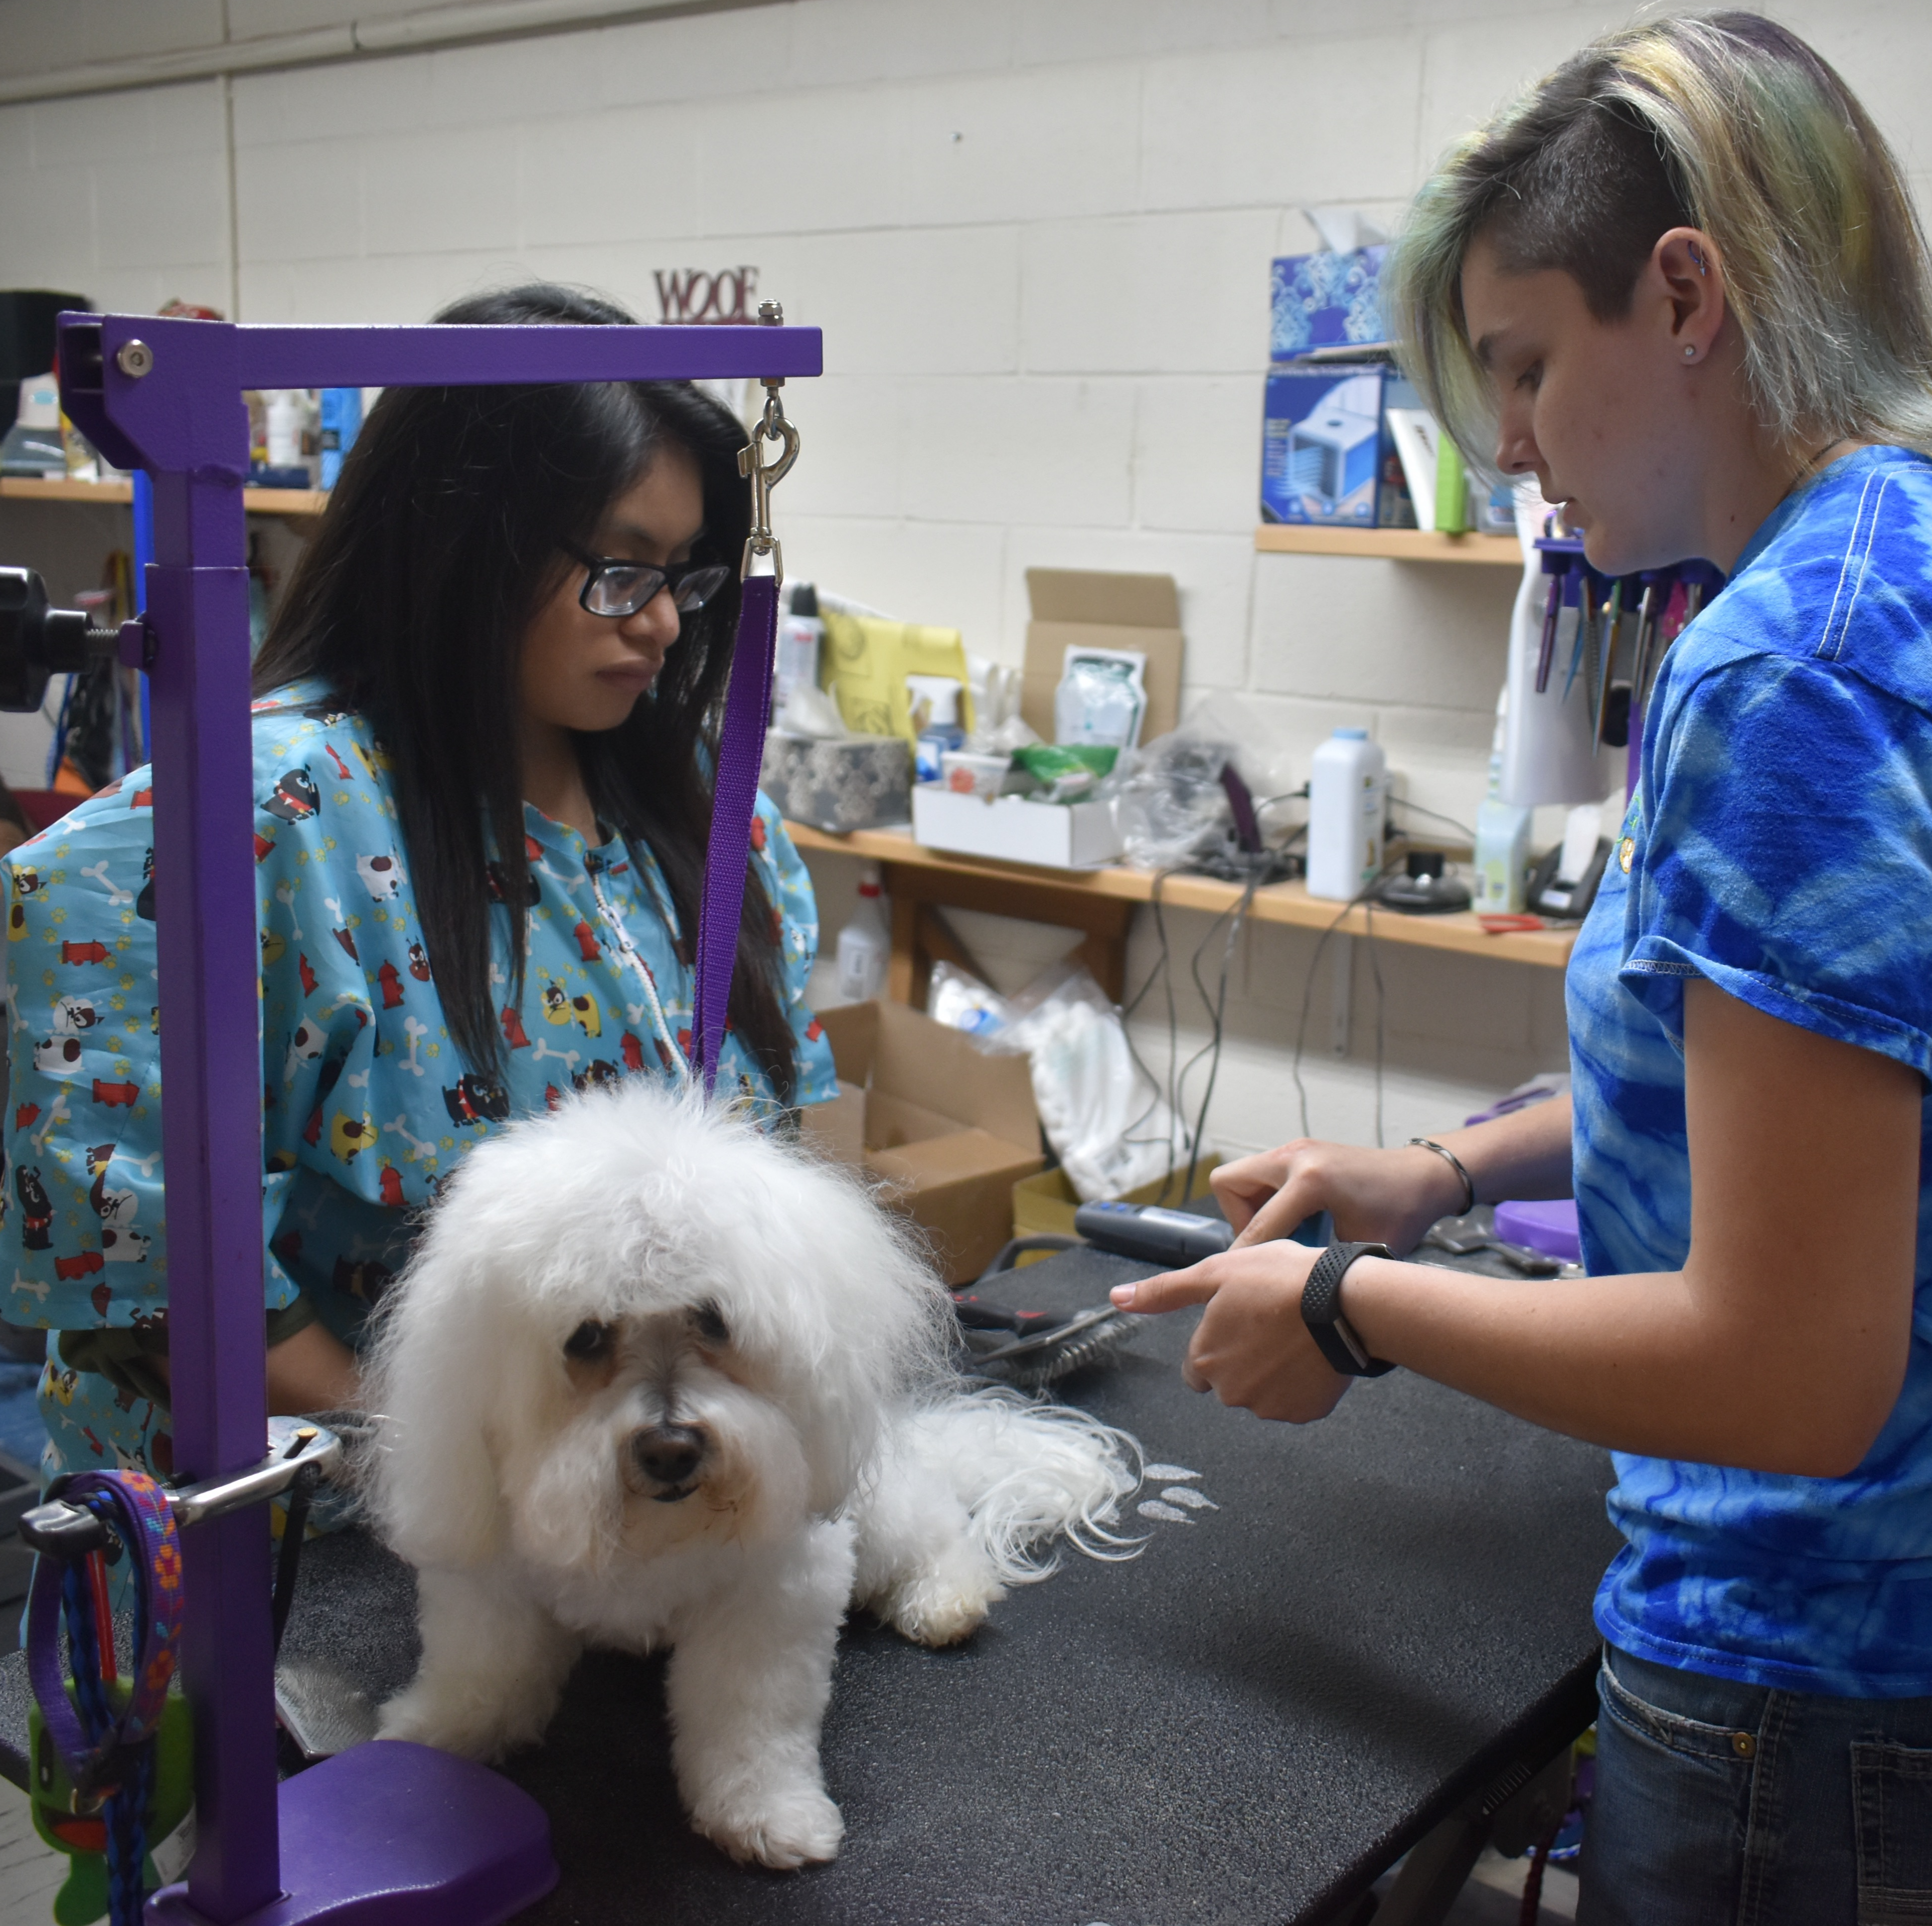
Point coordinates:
[[368, 1104]]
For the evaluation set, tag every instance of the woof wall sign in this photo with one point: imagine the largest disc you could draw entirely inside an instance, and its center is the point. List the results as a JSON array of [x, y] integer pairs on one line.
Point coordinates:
[[694, 297]]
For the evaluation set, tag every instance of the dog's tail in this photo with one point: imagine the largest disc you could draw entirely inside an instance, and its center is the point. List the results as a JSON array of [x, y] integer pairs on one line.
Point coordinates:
[[1030, 1475], [976, 1490]]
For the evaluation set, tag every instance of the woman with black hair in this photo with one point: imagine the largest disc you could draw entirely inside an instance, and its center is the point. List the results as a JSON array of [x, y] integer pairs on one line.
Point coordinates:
[[484, 726]]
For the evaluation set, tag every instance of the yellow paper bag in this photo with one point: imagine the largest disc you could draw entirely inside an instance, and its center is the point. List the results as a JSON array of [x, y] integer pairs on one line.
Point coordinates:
[[867, 661]]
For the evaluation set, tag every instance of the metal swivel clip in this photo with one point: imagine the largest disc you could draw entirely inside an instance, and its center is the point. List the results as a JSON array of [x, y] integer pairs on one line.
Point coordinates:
[[764, 475]]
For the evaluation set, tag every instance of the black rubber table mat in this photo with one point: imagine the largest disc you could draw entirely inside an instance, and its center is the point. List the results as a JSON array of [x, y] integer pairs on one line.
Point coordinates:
[[1244, 1724]]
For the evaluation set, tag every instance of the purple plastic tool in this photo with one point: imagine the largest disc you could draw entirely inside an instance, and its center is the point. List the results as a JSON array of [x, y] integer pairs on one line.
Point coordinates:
[[1550, 1227], [385, 1833]]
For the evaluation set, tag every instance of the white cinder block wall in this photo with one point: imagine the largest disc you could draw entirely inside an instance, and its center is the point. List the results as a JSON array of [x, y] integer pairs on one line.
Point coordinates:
[[1036, 234]]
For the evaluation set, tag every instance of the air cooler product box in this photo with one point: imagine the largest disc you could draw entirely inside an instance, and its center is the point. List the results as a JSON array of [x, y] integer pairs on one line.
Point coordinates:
[[949, 1127], [1325, 301], [1326, 454]]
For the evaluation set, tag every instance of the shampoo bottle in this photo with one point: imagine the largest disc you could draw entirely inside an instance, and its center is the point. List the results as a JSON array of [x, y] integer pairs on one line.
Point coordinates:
[[1347, 789]]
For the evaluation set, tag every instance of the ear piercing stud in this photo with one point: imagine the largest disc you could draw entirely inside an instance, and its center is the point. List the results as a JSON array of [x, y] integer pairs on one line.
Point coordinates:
[[1690, 353]]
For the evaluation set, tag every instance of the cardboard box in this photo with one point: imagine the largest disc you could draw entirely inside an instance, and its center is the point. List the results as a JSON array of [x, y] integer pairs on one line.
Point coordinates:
[[1325, 301], [857, 782], [949, 1128], [1089, 609], [1046, 1201], [1011, 829], [1328, 455]]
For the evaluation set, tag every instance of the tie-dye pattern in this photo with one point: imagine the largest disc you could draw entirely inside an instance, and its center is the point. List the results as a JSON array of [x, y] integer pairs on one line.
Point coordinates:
[[1779, 845], [367, 1104]]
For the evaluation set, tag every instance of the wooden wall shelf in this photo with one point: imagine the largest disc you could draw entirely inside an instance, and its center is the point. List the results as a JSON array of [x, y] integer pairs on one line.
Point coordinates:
[[108, 494], [1099, 901], [1390, 544]]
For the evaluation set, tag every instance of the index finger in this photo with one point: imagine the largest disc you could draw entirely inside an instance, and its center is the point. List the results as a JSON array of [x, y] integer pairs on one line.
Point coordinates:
[[1171, 1290], [1290, 1205]]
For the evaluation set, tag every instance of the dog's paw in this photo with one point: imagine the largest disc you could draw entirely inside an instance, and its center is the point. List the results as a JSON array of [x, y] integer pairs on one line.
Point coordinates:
[[938, 1609], [466, 1726], [788, 1828]]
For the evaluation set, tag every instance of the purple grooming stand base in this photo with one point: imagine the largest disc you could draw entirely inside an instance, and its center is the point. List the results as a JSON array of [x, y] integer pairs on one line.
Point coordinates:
[[387, 1835], [390, 1834]]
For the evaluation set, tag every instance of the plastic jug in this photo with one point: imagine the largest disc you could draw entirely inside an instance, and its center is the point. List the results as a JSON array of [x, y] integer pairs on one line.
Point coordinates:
[[865, 946], [1347, 797]]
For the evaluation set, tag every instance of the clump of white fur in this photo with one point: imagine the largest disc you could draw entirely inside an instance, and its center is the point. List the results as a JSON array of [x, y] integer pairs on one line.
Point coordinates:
[[840, 1460]]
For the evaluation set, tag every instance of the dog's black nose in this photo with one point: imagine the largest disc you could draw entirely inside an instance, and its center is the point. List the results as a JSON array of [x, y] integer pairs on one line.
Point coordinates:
[[669, 1453]]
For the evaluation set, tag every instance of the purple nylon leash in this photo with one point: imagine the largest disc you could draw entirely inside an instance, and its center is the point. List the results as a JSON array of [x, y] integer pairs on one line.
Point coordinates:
[[741, 738], [741, 745], [138, 1511]]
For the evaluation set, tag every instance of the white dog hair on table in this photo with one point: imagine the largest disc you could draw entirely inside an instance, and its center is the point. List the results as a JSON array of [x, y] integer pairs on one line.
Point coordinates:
[[654, 1378]]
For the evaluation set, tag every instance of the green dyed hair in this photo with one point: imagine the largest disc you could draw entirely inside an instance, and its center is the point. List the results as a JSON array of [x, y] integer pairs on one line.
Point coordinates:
[[1725, 122]]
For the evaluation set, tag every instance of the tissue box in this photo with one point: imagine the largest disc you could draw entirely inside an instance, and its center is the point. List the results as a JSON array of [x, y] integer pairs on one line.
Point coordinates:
[[1325, 447], [838, 782]]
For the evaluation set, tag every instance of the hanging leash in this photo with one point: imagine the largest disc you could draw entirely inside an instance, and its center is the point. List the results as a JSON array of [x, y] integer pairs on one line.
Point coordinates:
[[111, 1759], [741, 741], [108, 1755]]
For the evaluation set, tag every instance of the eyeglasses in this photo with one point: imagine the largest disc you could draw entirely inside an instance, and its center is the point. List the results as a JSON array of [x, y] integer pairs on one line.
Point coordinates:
[[619, 588]]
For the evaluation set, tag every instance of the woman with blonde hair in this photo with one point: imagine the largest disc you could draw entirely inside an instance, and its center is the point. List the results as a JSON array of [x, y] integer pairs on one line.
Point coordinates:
[[1680, 281]]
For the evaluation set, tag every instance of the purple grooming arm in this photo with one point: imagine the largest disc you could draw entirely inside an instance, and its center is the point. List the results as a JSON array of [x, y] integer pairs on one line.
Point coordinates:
[[387, 1833]]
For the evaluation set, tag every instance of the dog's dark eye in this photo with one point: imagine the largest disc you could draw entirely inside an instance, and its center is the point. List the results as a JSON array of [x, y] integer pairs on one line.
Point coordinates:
[[711, 1326], [589, 1340]]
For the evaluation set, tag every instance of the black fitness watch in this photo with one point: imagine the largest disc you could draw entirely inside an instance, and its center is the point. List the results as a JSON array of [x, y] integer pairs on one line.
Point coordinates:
[[1321, 1311]]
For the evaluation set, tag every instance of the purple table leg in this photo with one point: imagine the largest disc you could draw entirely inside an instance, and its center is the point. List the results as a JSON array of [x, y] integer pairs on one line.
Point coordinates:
[[388, 1833]]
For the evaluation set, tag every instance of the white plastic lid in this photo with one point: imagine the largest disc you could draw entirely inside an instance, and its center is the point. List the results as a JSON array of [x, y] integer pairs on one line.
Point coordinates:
[[868, 880], [1353, 735], [40, 402], [940, 695]]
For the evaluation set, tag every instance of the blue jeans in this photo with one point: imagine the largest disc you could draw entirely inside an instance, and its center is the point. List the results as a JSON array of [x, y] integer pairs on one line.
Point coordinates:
[[1723, 1804]]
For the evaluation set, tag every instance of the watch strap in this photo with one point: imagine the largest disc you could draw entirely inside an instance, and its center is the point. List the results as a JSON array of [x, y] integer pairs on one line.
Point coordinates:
[[1321, 1311]]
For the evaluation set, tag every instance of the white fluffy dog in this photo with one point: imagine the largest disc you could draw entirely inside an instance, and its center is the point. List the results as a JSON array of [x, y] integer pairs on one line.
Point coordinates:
[[654, 1379]]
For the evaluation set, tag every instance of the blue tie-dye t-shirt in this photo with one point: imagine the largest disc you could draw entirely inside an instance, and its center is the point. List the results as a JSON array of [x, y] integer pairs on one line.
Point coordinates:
[[1779, 844]]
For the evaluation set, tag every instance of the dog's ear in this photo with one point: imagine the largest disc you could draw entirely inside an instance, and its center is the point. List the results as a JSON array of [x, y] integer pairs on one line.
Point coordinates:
[[431, 1382], [864, 1277]]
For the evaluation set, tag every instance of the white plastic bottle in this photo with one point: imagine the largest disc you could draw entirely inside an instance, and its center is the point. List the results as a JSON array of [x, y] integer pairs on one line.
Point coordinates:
[[285, 427], [864, 945], [801, 638], [1502, 835], [1347, 789]]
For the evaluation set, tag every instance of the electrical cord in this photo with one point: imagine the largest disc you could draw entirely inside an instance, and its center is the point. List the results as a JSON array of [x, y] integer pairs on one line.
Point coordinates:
[[1434, 815], [1160, 969], [1362, 899], [1235, 917]]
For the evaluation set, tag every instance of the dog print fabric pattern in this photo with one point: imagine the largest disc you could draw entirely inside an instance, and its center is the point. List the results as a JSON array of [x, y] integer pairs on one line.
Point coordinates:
[[367, 1104], [1779, 846]]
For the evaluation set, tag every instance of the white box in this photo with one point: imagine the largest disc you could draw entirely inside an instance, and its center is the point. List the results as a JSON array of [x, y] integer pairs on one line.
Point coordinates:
[[1061, 835]]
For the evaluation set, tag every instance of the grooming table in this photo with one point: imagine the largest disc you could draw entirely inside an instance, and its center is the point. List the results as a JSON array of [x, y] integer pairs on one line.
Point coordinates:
[[1382, 1631]]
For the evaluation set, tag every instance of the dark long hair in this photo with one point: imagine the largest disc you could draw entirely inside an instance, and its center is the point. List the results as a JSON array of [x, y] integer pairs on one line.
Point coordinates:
[[444, 534]]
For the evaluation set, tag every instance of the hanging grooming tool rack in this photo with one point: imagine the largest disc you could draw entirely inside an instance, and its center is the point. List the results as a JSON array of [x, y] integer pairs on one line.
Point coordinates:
[[345, 1839], [1624, 625]]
